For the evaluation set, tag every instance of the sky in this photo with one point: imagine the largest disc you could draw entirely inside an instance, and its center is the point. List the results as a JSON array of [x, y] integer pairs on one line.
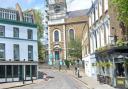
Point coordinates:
[[78, 4], [25, 4], [39, 4]]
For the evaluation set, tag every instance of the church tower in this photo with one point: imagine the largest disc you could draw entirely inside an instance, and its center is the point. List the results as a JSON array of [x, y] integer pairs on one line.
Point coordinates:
[[56, 10], [63, 26], [56, 14]]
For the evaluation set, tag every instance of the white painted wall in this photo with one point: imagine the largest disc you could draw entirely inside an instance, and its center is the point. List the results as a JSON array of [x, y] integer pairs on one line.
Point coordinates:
[[89, 69], [100, 7], [96, 12], [105, 5], [23, 44], [87, 63]]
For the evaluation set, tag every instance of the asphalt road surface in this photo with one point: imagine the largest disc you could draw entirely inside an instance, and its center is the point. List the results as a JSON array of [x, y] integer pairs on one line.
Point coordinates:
[[57, 80]]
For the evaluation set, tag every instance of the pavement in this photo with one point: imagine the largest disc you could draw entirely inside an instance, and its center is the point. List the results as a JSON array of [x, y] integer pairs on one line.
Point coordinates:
[[19, 84], [57, 80], [89, 81]]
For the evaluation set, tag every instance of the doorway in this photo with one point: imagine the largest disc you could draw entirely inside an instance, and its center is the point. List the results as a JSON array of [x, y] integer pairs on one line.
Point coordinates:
[[57, 55], [120, 69]]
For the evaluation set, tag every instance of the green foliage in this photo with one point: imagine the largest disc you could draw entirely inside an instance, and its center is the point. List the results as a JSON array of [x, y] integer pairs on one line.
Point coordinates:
[[104, 64], [72, 62], [75, 49], [38, 21], [120, 42], [67, 63], [41, 47], [126, 63], [122, 8], [41, 51]]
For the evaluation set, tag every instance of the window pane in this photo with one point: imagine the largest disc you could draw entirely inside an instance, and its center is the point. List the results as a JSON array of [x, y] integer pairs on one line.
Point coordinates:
[[15, 71], [2, 30], [16, 52], [9, 71], [30, 34], [28, 71], [2, 51], [56, 36], [16, 32], [71, 32], [30, 52], [2, 71], [34, 70]]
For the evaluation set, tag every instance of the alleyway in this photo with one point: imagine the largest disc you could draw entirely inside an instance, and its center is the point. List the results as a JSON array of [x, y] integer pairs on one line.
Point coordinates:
[[58, 80]]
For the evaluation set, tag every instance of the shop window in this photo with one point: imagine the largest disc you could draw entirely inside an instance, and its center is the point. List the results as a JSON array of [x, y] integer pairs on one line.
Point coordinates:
[[9, 71], [120, 69], [27, 70], [2, 71], [34, 70], [15, 71]]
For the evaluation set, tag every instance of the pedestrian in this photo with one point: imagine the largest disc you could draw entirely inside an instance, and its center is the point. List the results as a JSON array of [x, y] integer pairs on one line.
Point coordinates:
[[78, 72], [75, 70], [59, 67]]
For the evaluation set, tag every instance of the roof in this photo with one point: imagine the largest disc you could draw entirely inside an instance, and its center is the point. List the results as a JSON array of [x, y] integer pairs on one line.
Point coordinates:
[[77, 13]]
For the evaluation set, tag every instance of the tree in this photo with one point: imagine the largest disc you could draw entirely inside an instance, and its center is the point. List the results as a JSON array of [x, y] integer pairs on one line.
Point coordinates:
[[75, 49], [38, 20], [122, 8]]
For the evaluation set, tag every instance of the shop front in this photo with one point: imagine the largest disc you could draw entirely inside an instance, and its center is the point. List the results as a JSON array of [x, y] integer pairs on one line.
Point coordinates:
[[112, 66], [11, 72]]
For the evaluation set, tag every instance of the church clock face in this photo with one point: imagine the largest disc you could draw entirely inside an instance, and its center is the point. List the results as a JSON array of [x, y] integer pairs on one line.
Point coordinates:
[[57, 8]]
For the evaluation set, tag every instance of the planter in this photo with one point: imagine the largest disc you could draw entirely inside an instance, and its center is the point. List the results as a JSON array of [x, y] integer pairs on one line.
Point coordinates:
[[120, 82], [101, 79], [108, 80], [98, 77]]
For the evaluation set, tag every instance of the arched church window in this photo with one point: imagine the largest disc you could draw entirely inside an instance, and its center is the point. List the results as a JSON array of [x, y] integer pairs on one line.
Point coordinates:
[[56, 36], [71, 34]]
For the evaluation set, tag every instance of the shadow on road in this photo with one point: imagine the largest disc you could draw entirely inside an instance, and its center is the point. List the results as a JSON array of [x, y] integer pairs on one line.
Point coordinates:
[[41, 75]]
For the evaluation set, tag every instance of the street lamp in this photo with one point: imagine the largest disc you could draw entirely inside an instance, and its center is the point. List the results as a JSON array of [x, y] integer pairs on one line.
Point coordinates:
[[113, 38]]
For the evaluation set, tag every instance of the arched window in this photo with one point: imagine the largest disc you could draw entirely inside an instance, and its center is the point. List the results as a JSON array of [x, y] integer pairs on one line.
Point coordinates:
[[71, 34], [56, 36]]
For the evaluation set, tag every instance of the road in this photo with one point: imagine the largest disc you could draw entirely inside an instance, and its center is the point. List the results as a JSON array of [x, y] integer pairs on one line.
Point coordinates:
[[58, 80]]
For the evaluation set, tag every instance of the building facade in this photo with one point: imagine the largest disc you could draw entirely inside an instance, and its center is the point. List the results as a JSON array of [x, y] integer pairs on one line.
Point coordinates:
[[18, 45], [62, 27], [106, 58]]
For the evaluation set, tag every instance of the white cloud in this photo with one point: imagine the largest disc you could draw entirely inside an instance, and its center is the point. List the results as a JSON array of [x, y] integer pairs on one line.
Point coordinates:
[[28, 1], [78, 4]]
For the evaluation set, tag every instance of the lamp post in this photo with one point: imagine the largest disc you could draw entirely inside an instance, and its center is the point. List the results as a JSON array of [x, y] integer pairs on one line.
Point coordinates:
[[113, 38], [78, 70]]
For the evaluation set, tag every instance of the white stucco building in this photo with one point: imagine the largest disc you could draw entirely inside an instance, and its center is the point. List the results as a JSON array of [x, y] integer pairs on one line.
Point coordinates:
[[18, 45], [99, 33]]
